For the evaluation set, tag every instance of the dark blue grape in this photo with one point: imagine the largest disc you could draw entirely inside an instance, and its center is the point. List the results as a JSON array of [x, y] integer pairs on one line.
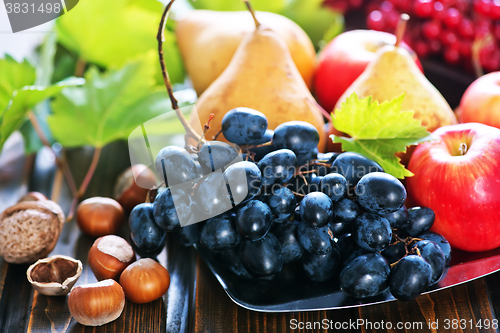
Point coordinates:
[[175, 166], [340, 228], [211, 197], [439, 240], [334, 185], [172, 208], [282, 202], [420, 220], [353, 167], [253, 220], [326, 159], [380, 193], [314, 184], [277, 167], [316, 209], [260, 152], [299, 136], [233, 262], [433, 254], [305, 158], [315, 240], [262, 257], [144, 231], [410, 277], [394, 252], [215, 155], [298, 183], [345, 211], [244, 180], [372, 232], [365, 276], [188, 235], [286, 233], [321, 267], [219, 233], [346, 246], [242, 125], [398, 218]]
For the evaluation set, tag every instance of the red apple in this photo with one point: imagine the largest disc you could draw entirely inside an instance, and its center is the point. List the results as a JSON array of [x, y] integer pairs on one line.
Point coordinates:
[[458, 176], [481, 101], [344, 59]]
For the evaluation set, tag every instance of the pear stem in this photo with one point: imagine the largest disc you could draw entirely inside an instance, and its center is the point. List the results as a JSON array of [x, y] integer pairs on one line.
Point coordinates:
[[175, 105], [401, 28], [250, 9]]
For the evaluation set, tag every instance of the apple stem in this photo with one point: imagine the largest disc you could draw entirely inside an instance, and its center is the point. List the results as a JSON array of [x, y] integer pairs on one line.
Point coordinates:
[[463, 149], [401, 28], [250, 9]]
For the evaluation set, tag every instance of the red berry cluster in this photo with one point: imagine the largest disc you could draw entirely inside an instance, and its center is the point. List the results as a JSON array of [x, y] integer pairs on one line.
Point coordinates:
[[446, 28]]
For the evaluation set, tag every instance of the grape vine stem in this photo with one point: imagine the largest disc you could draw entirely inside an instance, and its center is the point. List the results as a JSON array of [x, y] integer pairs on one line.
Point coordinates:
[[90, 172]]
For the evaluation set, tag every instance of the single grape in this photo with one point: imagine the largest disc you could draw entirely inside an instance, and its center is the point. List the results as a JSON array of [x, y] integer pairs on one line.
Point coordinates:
[[372, 232], [365, 276], [305, 158], [433, 254], [172, 208], [315, 240], [375, 21], [321, 267], [260, 152], [286, 233], [234, 264], [242, 125], [345, 211], [315, 184], [394, 252], [282, 202], [334, 185], [262, 257], [380, 193], [410, 277], [398, 218], [340, 228], [219, 233], [215, 155], [453, 18], [277, 166], [440, 241], [354, 166], [244, 180], [210, 197], [174, 165], [253, 220], [316, 209], [431, 29], [188, 235], [298, 136], [420, 219], [144, 232], [423, 8]]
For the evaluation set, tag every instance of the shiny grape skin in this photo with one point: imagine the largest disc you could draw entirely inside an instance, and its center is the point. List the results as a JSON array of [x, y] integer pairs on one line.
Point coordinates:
[[380, 193], [365, 276], [315, 240], [315, 184], [260, 152], [242, 125], [176, 164], [346, 246], [305, 158], [410, 277], [244, 180], [398, 218], [234, 264], [188, 235], [166, 213], [345, 211], [394, 252], [440, 241], [433, 254], [372, 232], [277, 167], [144, 231], [211, 197], [321, 267], [298, 136], [219, 233], [420, 220], [214, 155], [316, 209], [324, 158], [334, 185], [263, 257], [354, 166], [286, 233], [340, 228], [253, 220], [282, 202]]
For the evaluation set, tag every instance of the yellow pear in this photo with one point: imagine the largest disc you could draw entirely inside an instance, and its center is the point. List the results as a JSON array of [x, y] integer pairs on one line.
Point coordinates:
[[394, 72], [208, 40], [261, 76]]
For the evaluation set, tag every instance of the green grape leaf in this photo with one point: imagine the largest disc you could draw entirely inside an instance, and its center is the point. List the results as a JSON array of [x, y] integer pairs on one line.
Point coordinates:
[[114, 32], [274, 6], [379, 131], [14, 75], [108, 106]]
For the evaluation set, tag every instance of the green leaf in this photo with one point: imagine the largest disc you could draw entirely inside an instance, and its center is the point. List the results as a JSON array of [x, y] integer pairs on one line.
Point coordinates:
[[274, 6], [114, 32], [379, 131], [13, 75], [109, 106]]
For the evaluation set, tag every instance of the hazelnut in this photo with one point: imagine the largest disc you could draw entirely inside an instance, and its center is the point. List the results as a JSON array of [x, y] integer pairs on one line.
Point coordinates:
[[109, 256], [29, 230], [96, 304], [54, 276], [99, 216], [33, 196], [144, 281], [133, 185]]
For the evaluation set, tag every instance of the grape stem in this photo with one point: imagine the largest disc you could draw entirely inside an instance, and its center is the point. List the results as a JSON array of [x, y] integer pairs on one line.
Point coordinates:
[[401, 28], [175, 105], [206, 127], [90, 172], [250, 9]]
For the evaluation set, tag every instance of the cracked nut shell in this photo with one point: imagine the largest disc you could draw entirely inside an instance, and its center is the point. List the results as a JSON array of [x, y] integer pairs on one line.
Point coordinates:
[[54, 276]]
